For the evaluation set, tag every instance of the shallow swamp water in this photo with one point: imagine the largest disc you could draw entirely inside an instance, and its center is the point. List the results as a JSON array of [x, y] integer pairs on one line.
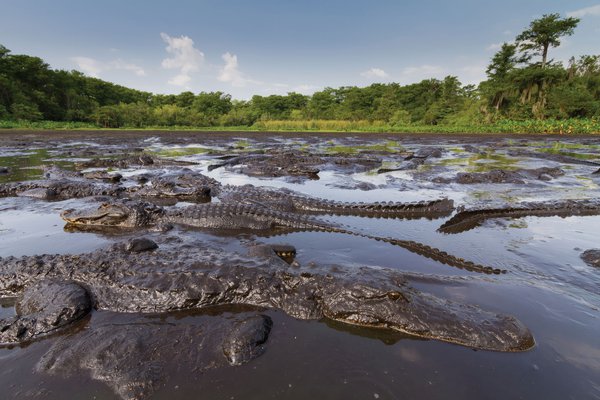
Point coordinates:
[[547, 285]]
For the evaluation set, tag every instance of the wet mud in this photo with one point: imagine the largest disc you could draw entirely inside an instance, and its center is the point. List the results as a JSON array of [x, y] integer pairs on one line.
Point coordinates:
[[256, 265]]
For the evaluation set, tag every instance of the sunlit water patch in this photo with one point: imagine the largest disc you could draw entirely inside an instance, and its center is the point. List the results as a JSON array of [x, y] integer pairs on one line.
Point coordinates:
[[30, 227]]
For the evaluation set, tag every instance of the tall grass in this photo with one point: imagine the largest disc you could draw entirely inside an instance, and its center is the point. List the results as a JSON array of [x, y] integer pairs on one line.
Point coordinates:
[[569, 126]]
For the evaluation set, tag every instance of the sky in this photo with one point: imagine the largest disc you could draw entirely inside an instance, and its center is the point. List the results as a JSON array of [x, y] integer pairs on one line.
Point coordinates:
[[279, 46]]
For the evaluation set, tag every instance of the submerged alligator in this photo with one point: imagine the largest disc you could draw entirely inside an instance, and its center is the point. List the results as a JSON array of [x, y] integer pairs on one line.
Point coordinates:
[[518, 177], [469, 219], [294, 163]]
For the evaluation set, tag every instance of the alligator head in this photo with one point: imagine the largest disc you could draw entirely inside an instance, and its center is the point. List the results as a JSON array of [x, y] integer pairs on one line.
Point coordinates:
[[128, 214]]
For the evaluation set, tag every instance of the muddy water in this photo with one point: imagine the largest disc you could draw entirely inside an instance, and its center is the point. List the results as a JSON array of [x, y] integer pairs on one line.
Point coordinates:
[[547, 286]]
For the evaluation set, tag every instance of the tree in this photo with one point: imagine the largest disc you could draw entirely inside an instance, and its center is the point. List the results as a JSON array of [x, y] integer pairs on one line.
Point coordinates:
[[546, 32], [322, 104], [503, 62], [213, 104]]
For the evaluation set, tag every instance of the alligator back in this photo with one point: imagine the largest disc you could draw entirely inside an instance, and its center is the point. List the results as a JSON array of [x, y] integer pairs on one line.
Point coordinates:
[[469, 219]]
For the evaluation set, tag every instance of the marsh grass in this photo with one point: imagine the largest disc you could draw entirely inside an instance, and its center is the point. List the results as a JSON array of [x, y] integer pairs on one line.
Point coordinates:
[[550, 126], [180, 151], [390, 146]]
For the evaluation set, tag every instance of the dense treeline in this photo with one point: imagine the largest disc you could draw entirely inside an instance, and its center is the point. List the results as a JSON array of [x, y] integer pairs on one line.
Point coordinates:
[[523, 84]]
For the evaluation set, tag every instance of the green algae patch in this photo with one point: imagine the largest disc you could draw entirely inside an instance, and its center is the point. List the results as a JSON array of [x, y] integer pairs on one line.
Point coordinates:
[[180, 151], [558, 146], [519, 224], [587, 182], [390, 146], [28, 166], [482, 162], [580, 156]]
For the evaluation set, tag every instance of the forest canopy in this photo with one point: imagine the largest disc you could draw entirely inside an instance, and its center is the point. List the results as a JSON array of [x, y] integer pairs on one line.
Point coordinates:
[[523, 83]]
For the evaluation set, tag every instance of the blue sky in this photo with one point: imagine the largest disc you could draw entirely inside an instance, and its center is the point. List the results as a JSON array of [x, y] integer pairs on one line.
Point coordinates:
[[268, 46]]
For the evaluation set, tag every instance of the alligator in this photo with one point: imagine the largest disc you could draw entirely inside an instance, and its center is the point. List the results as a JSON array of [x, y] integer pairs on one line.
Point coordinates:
[[282, 199], [103, 176], [169, 188], [143, 159], [469, 219], [55, 173], [286, 163], [56, 293], [414, 160], [234, 216], [194, 186], [135, 355], [290, 201], [59, 189], [191, 275], [503, 176], [561, 158], [591, 257], [60, 184]]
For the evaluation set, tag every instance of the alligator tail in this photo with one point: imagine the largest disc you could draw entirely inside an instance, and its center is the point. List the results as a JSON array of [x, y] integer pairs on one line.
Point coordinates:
[[412, 246], [469, 219], [433, 208]]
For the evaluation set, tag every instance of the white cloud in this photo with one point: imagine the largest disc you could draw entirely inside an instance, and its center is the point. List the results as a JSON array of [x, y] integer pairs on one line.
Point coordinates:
[[494, 46], [584, 12], [306, 89], [427, 71], [284, 88], [94, 68], [472, 74], [185, 57], [87, 65], [180, 80], [231, 73], [374, 73], [120, 64]]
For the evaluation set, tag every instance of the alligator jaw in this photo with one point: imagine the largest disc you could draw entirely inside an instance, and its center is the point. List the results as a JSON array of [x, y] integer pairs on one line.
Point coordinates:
[[95, 218]]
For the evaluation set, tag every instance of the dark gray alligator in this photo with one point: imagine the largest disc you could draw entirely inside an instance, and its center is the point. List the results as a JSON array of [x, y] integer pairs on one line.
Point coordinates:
[[135, 355], [235, 217], [287, 200], [294, 163], [59, 189], [591, 257], [466, 220], [544, 155], [194, 275], [142, 159], [504, 176], [56, 291], [63, 185]]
